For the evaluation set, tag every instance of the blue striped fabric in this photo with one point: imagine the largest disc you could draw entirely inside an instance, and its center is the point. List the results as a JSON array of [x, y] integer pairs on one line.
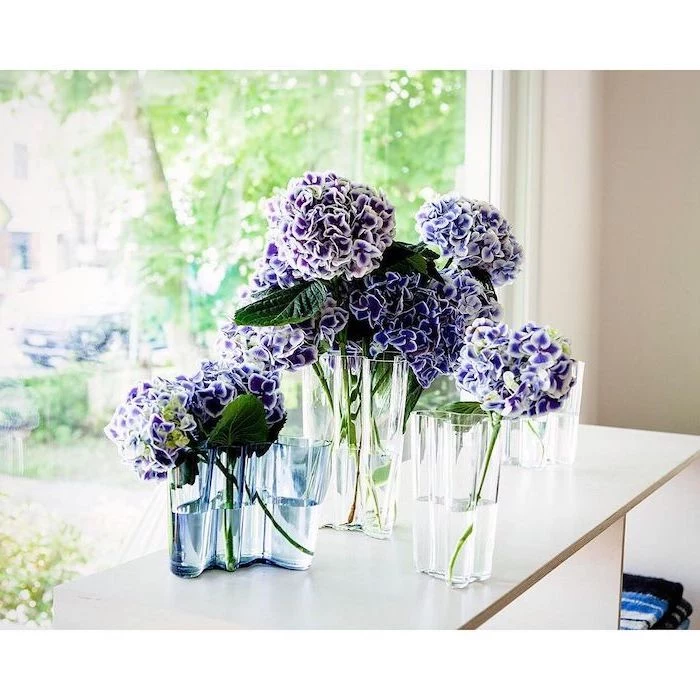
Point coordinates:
[[639, 611]]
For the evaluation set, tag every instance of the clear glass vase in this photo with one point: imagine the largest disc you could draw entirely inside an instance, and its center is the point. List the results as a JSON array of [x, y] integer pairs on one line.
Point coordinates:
[[358, 403], [561, 438], [456, 472], [524, 441], [240, 505]]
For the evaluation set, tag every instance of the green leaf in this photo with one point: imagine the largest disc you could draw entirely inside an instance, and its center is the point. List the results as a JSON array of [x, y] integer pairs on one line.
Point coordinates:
[[485, 279], [413, 393], [464, 408], [187, 471], [242, 422], [280, 306], [381, 476], [275, 429], [414, 263]]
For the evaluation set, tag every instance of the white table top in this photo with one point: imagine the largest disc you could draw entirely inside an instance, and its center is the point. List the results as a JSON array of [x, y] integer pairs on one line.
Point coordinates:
[[357, 582]]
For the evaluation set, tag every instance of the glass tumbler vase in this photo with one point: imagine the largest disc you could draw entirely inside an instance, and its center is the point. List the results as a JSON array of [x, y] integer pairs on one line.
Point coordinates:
[[524, 441], [456, 470], [240, 505], [561, 438]]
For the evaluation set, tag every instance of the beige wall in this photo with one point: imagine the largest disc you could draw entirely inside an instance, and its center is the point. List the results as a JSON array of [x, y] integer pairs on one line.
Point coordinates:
[[649, 340], [567, 278]]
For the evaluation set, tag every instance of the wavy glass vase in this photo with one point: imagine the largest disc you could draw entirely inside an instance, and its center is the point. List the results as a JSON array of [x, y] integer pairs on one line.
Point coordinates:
[[455, 495], [247, 504], [358, 403]]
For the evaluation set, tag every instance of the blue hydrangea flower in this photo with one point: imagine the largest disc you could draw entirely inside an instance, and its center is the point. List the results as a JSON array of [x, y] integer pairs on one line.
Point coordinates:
[[153, 427], [424, 320], [474, 233], [526, 372], [287, 347], [327, 227]]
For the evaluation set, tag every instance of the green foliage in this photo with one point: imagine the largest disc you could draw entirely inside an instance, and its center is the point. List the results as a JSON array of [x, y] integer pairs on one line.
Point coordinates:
[[226, 141], [279, 306], [465, 408], [61, 399], [242, 422], [33, 559], [415, 139], [413, 393]]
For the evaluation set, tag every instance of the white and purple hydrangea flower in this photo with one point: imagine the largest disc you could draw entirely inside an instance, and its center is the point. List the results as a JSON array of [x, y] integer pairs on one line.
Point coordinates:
[[326, 227], [272, 271], [473, 233], [163, 421], [526, 372], [216, 384], [153, 427], [424, 320], [288, 347]]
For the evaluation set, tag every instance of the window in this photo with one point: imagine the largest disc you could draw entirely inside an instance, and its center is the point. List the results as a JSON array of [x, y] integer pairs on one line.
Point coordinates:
[[160, 178], [21, 161]]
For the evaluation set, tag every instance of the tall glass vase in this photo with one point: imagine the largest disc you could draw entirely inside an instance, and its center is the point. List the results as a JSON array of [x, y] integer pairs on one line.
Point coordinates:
[[238, 505], [358, 403], [384, 385], [456, 472]]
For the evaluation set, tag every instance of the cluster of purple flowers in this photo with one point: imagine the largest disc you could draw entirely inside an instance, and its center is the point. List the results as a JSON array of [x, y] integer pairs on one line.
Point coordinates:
[[161, 421], [474, 233], [153, 427], [526, 372], [288, 347], [272, 270], [326, 227], [423, 320], [216, 384]]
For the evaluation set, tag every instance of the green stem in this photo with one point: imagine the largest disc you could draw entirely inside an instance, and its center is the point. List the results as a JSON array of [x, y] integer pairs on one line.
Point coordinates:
[[539, 440], [376, 500], [228, 518], [324, 384], [350, 428], [495, 429], [252, 499], [278, 527]]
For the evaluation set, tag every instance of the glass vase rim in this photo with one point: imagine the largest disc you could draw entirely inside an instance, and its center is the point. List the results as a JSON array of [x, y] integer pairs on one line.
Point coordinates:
[[392, 356], [286, 441], [474, 418]]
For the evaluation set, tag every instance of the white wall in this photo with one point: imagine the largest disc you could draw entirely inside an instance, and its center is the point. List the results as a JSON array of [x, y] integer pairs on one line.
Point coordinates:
[[649, 364], [568, 265]]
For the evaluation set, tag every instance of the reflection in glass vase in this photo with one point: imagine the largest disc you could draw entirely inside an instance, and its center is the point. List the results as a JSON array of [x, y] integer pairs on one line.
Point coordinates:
[[248, 504]]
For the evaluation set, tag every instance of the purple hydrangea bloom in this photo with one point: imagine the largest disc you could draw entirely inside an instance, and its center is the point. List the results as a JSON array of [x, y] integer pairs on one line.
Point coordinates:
[[216, 384], [153, 427], [424, 320], [287, 347], [272, 271], [526, 372], [474, 233], [164, 420], [327, 227]]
